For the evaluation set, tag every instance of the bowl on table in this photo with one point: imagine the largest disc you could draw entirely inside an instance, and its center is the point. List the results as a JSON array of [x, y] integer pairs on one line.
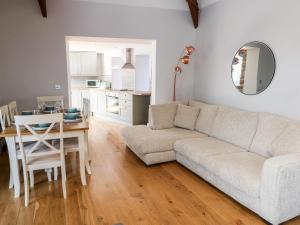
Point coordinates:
[[70, 116], [41, 126], [49, 108], [72, 110], [27, 113]]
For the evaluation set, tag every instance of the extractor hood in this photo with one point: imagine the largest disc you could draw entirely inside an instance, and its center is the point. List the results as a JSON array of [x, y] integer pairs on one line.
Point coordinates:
[[128, 57]]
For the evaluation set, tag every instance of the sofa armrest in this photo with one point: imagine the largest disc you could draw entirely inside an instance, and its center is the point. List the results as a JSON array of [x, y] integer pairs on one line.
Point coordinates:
[[280, 188], [162, 116]]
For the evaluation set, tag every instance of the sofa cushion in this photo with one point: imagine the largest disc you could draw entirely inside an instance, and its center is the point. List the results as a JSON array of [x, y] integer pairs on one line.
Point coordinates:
[[269, 128], [162, 116], [198, 149], [241, 169], [196, 104], [144, 140], [206, 118], [289, 140], [235, 126], [186, 117]]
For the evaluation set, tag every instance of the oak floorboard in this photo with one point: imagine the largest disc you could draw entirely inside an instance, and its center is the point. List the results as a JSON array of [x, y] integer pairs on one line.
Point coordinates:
[[121, 189]]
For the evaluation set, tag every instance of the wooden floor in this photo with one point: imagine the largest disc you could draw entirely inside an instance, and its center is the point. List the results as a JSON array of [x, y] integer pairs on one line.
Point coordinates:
[[122, 190]]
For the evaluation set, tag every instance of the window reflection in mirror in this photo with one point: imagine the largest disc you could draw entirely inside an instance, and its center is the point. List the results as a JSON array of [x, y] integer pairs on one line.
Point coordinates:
[[253, 68]]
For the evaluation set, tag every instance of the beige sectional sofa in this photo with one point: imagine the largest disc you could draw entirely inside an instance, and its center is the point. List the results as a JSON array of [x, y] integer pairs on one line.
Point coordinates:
[[253, 157]]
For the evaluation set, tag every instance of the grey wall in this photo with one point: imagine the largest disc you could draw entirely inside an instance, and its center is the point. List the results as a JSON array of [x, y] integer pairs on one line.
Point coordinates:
[[229, 24], [32, 49]]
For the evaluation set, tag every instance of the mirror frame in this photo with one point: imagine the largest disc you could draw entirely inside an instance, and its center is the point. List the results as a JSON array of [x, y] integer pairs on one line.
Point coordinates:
[[274, 71]]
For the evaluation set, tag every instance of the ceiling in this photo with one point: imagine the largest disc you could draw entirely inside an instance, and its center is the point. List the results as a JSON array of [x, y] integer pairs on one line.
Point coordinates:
[[164, 4]]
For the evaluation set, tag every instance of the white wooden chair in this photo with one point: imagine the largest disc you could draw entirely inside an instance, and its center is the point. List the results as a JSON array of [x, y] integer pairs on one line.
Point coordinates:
[[4, 117], [71, 144], [4, 123], [56, 101], [86, 109], [42, 155], [13, 110]]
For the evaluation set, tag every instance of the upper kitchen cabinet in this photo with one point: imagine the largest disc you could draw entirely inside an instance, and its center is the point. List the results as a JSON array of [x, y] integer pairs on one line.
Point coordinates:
[[84, 64]]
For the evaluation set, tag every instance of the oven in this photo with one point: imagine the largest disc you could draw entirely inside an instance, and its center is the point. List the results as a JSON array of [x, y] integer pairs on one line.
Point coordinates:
[[112, 103]]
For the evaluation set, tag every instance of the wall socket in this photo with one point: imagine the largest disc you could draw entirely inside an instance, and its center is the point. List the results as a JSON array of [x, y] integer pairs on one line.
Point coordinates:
[[57, 87]]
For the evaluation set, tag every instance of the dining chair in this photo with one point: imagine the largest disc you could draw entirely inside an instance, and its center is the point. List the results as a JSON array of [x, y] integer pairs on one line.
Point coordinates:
[[42, 155], [13, 110], [56, 101], [86, 109], [4, 117], [4, 123]]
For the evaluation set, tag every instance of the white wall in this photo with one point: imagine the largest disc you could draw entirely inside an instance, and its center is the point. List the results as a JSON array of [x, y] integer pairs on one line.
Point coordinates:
[[229, 24], [32, 48]]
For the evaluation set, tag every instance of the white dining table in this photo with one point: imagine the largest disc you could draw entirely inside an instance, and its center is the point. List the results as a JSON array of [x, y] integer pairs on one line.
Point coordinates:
[[71, 130]]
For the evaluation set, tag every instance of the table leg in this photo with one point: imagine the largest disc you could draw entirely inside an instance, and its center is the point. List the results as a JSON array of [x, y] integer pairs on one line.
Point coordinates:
[[82, 158], [13, 160], [87, 153]]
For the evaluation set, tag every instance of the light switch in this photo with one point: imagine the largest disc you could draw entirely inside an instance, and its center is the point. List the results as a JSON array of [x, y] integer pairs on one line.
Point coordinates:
[[57, 87]]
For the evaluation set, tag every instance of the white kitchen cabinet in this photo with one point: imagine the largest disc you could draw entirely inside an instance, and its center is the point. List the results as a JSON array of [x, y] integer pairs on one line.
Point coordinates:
[[83, 64], [76, 98], [75, 63], [94, 101], [89, 63], [134, 108], [98, 101], [101, 99]]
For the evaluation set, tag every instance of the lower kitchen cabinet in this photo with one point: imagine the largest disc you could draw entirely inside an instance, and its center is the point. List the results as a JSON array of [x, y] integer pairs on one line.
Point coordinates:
[[134, 108]]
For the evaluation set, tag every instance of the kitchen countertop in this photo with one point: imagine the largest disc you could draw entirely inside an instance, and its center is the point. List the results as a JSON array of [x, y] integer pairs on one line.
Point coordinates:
[[141, 93]]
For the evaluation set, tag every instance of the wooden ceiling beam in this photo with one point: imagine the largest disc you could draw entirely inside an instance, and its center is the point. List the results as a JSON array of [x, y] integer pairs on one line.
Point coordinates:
[[43, 6], [195, 11]]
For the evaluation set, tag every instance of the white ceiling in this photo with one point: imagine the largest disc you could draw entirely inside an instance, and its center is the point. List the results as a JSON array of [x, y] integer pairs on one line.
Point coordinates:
[[164, 4]]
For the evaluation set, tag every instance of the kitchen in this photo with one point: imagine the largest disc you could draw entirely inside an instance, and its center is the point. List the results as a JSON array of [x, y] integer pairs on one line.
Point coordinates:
[[114, 74]]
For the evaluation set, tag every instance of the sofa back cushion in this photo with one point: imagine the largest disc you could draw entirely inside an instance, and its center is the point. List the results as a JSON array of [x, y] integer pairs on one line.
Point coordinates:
[[197, 104], [235, 126], [288, 141], [162, 116], [186, 117], [269, 128], [206, 118]]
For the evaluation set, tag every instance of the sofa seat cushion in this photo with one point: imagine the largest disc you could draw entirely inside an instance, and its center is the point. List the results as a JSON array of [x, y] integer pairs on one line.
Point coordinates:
[[230, 163], [144, 140], [242, 170], [235, 126], [198, 149]]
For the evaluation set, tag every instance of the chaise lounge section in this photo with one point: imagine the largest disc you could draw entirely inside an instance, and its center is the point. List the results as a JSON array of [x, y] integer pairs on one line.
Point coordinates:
[[252, 157]]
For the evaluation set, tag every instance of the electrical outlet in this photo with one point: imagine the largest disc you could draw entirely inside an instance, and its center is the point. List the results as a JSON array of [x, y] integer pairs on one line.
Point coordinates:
[[57, 87]]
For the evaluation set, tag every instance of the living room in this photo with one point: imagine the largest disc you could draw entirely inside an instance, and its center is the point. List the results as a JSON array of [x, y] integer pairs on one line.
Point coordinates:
[[221, 142]]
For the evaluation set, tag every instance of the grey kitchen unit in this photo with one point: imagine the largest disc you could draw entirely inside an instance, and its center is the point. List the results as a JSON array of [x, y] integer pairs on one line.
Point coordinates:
[[134, 107]]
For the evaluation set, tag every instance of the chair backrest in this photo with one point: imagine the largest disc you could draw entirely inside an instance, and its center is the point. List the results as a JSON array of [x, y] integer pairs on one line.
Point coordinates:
[[55, 121], [4, 117], [56, 101], [13, 110], [86, 108]]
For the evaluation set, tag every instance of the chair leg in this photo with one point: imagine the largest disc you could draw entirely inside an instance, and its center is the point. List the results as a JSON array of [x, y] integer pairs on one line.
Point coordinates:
[[26, 189], [63, 180], [31, 177], [11, 180], [49, 171], [55, 173]]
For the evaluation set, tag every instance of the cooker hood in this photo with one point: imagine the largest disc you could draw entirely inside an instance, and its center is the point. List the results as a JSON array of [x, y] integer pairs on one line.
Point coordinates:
[[128, 57]]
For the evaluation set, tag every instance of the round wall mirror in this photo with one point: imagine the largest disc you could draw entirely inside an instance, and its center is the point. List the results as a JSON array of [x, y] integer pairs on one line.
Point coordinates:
[[253, 68]]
